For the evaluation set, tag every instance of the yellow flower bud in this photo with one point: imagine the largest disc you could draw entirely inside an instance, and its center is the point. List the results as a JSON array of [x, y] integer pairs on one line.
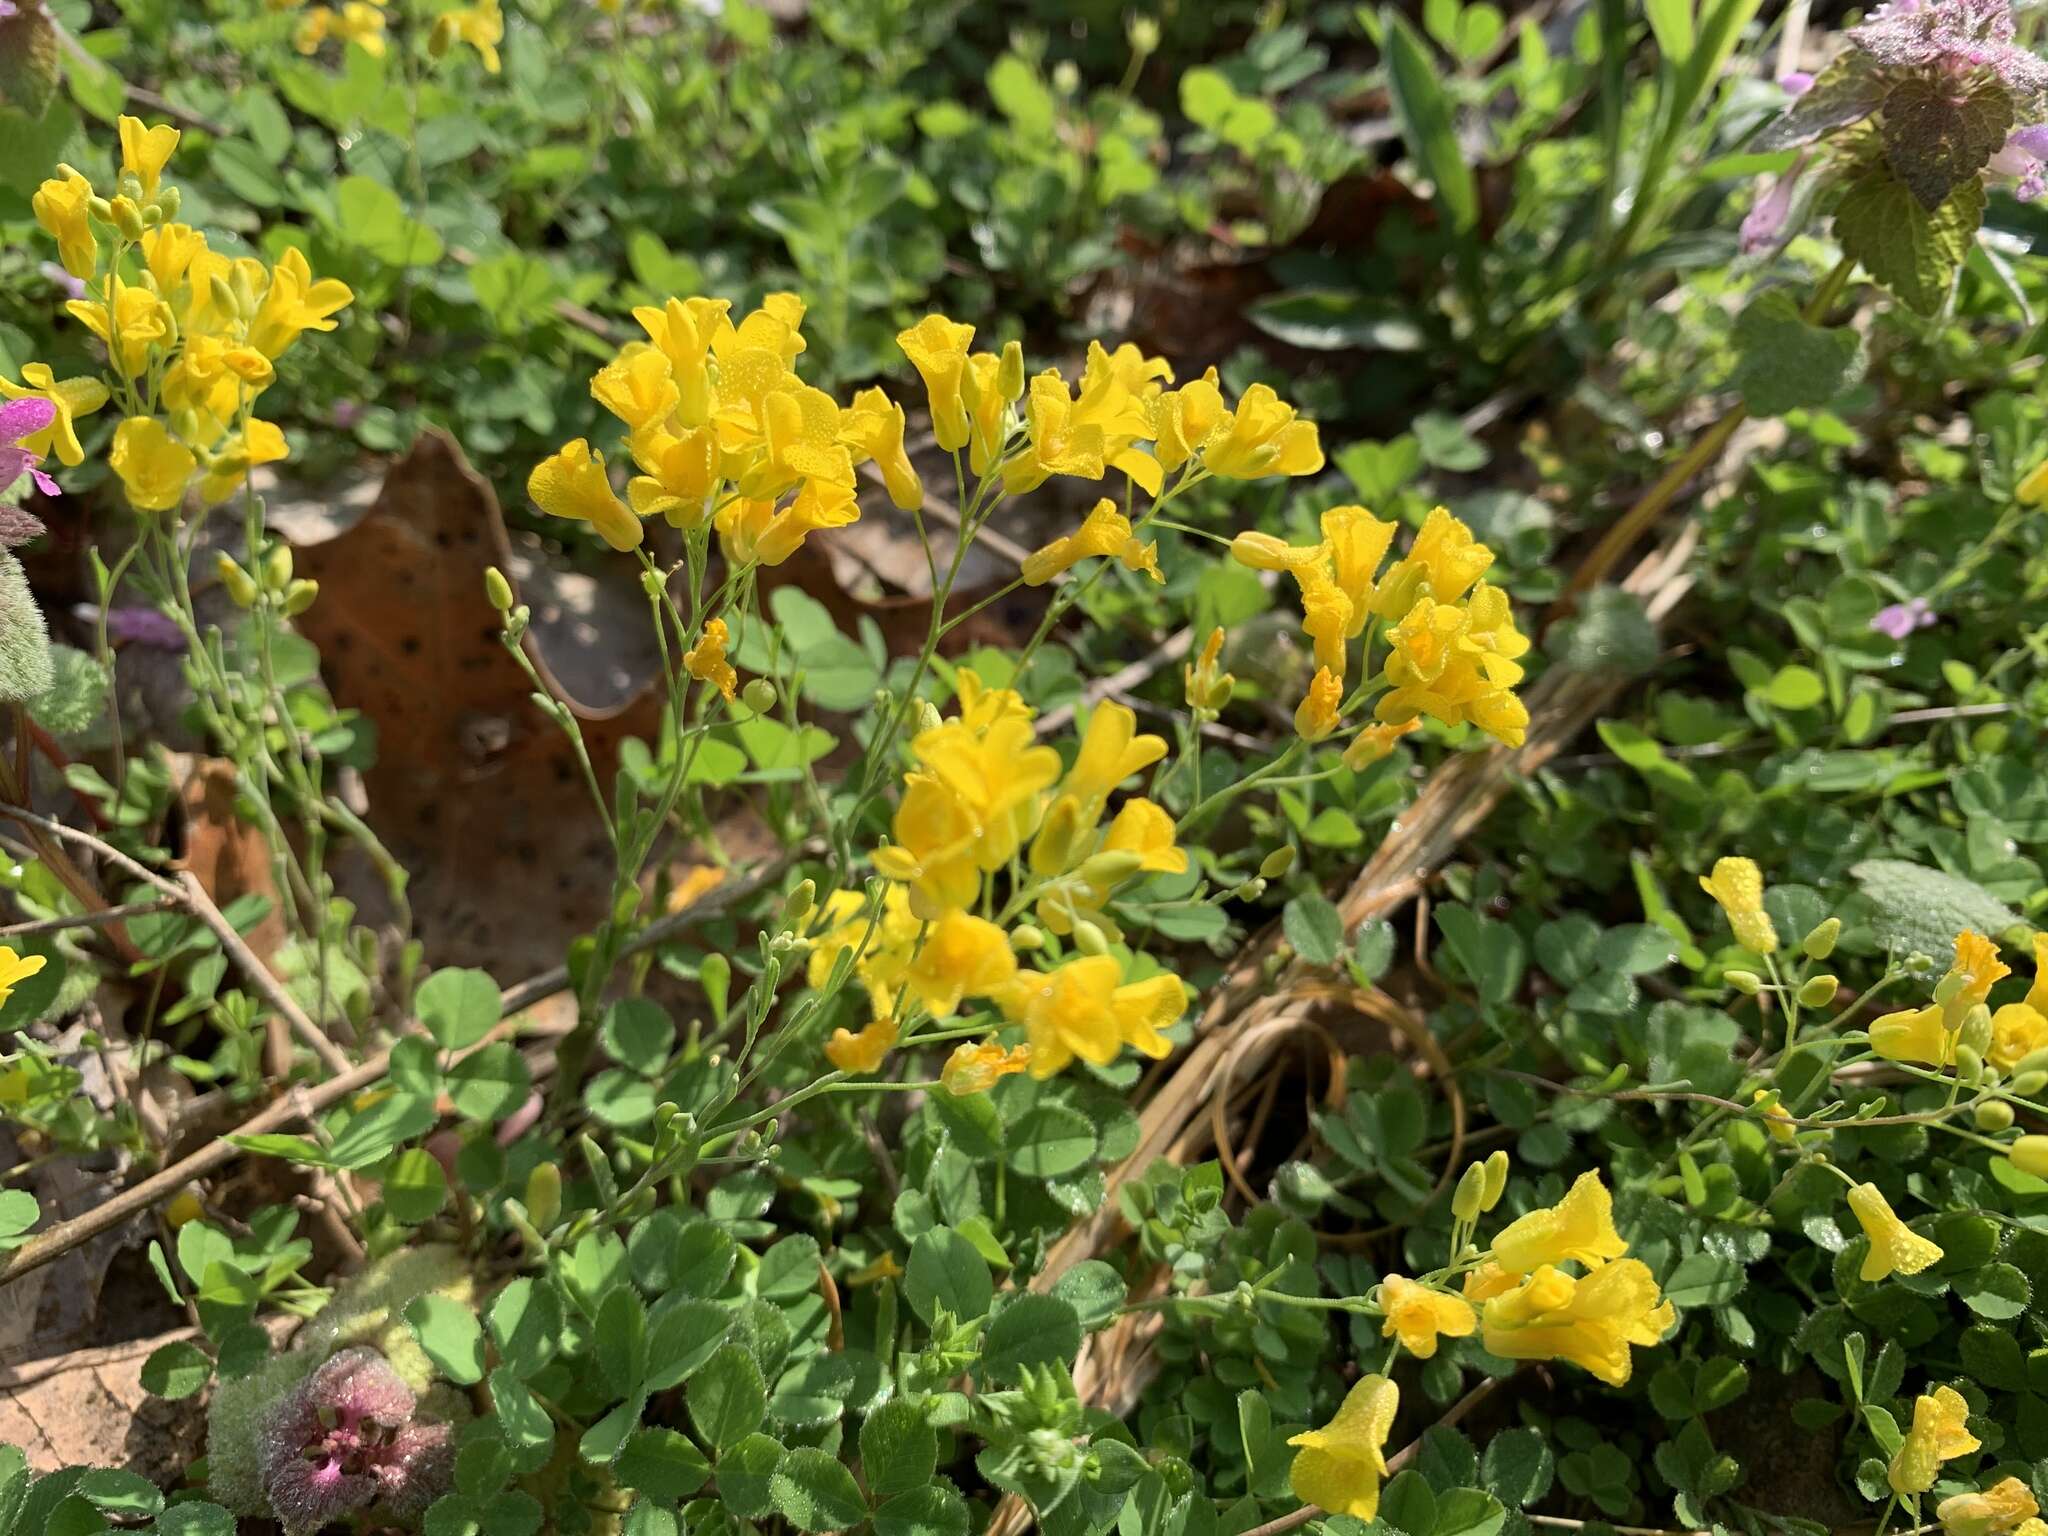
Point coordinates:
[[2030, 1155], [1818, 991], [1820, 943], [1993, 1116], [1468, 1200], [1010, 371], [1748, 983], [498, 589], [1088, 938], [300, 596], [1111, 867], [1496, 1178], [127, 218], [277, 567], [240, 587]]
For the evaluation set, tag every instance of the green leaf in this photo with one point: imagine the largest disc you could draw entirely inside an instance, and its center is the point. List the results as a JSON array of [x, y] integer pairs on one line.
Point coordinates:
[[899, 1449], [458, 1007], [1094, 1290], [1935, 138], [1314, 927], [744, 1472], [195, 1519], [18, 1214], [449, 1333], [1517, 1466], [1923, 910], [1785, 364], [945, 1272], [415, 1187], [370, 216], [1336, 320], [1029, 1329], [681, 1335], [1424, 112], [1703, 1280], [489, 1084], [662, 1463], [813, 1492], [934, 1510], [1997, 1291], [176, 1370], [113, 1491], [525, 1323], [1489, 951], [1795, 687], [727, 1397], [1049, 1140], [620, 1336], [789, 1269], [638, 1033], [1911, 251], [368, 1136]]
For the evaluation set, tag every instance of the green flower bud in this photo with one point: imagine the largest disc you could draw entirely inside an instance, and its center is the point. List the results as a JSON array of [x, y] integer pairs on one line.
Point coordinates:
[[1950, 987], [1143, 32], [1820, 943], [2028, 1084], [1111, 868], [800, 902], [2033, 1061], [1818, 991], [1277, 863], [442, 38], [758, 695], [127, 218], [277, 567], [925, 717], [1496, 1178], [1976, 1030], [168, 201], [100, 209], [223, 296], [544, 1194], [1088, 938], [1748, 983], [240, 587], [714, 975], [1969, 1065], [2030, 1155], [652, 584], [1993, 1115], [1026, 937], [1010, 371], [1468, 1200], [497, 589], [1251, 890]]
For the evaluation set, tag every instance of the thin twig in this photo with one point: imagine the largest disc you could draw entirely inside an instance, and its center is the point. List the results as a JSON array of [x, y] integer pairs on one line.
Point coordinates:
[[84, 919]]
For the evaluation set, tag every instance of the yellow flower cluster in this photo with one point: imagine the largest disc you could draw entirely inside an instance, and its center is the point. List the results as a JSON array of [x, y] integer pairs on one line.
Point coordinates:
[[1532, 1309], [986, 804], [1455, 649], [723, 430], [2007, 1506], [357, 21], [1940, 1433], [1930, 1036], [192, 341]]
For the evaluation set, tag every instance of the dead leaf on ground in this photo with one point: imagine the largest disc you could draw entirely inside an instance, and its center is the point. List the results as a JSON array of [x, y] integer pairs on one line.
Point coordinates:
[[226, 852]]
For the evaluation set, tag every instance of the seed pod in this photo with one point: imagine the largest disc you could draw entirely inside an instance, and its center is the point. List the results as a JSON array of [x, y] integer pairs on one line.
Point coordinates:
[[758, 695], [1277, 863], [1993, 1115], [1748, 983], [240, 587], [1820, 943], [1818, 991], [1496, 1178]]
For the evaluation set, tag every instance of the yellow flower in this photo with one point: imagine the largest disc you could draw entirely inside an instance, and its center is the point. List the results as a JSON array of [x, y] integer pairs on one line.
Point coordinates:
[[685, 329], [572, 484], [169, 250], [682, 472], [1356, 542], [706, 660], [17, 968], [975, 1067], [61, 206], [1738, 885], [1202, 686], [1978, 964], [1939, 1433], [1316, 716], [1579, 1227], [934, 849], [962, 956], [2037, 994], [1118, 394], [880, 943], [874, 429], [1081, 1010], [1489, 1280], [800, 441], [2017, 1031], [1895, 1248], [1418, 1315], [356, 22], [637, 386], [989, 387], [1442, 564], [1112, 751], [1340, 1465], [1268, 552], [262, 442], [818, 506], [1105, 531], [1187, 418], [1326, 619], [140, 320], [1914, 1034], [995, 773], [1376, 742], [1589, 1322], [1060, 442], [482, 26], [1263, 437], [71, 398], [937, 349], [1143, 827], [2032, 491], [146, 151], [294, 304], [153, 466], [1777, 1119], [863, 1052], [1998, 1509]]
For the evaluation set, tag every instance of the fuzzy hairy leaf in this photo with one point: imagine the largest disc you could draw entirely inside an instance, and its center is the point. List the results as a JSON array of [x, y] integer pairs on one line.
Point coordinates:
[[1912, 251]]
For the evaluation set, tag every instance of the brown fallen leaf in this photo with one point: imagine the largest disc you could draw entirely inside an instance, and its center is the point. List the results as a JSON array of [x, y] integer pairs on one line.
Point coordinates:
[[226, 852]]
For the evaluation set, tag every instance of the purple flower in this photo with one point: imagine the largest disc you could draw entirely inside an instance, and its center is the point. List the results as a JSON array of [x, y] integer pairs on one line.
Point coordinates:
[[19, 419], [1764, 224], [1797, 83], [1953, 37], [345, 1440], [138, 626], [74, 287], [1901, 619], [2021, 157], [346, 413]]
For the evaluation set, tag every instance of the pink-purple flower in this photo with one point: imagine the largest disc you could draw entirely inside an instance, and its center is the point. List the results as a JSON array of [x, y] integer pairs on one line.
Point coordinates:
[[20, 419], [1899, 620], [345, 1440]]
